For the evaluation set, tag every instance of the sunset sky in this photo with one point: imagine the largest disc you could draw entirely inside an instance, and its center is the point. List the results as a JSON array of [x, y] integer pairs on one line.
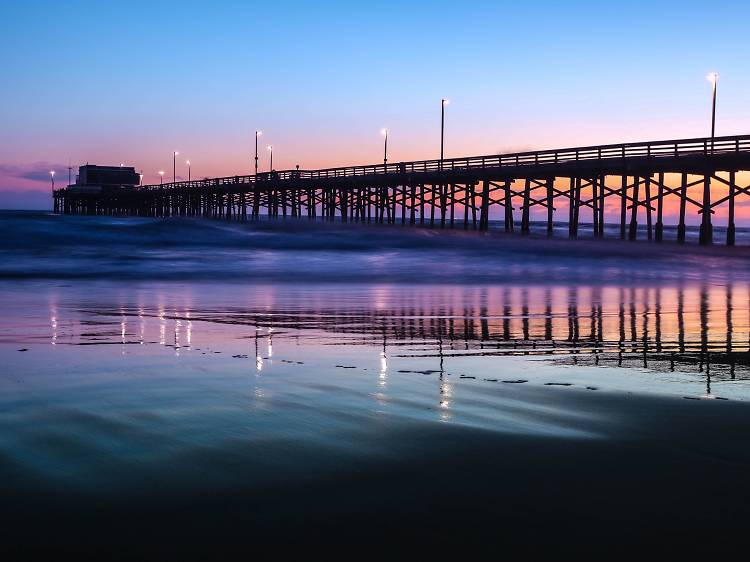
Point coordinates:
[[111, 82]]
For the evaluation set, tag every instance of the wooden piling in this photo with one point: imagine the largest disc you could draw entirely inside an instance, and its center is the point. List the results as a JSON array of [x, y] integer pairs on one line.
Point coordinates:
[[576, 206], [550, 205], [730, 211], [571, 206], [633, 231], [466, 207], [484, 215], [647, 188], [659, 234], [683, 201], [525, 208], [595, 205], [433, 189], [453, 203], [602, 195], [706, 236], [508, 207]]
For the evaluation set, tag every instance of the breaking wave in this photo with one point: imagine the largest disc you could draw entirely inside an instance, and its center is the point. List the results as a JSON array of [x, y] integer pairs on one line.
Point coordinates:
[[42, 245]]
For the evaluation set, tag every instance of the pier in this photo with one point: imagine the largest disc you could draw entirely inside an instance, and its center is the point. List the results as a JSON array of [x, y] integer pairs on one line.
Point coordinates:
[[594, 183]]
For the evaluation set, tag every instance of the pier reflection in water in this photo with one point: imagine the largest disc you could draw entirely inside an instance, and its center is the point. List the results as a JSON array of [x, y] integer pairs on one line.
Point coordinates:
[[701, 328]]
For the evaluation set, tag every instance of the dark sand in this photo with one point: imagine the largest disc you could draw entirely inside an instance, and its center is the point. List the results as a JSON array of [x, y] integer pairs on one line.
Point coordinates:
[[669, 475]]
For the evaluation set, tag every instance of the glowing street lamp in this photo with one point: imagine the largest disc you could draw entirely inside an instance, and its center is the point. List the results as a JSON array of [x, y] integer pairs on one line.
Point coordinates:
[[52, 178], [713, 77], [140, 178], [188, 165], [161, 177], [384, 132], [174, 166], [443, 103], [257, 134], [270, 149]]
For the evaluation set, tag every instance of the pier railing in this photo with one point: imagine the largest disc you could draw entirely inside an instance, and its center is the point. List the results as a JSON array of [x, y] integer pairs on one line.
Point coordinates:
[[651, 149]]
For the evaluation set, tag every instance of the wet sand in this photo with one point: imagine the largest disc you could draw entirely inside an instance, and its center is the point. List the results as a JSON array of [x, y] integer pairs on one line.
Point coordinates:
[[672, 479], [203, 420]]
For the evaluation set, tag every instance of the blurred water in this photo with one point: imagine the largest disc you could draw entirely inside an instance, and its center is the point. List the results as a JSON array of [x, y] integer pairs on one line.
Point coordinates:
[[40, 245]]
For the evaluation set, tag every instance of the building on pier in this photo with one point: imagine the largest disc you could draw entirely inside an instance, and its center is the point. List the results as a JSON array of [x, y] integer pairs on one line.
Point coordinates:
[[94, 179]]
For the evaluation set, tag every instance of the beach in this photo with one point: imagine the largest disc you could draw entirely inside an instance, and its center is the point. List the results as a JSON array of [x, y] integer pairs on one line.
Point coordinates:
[[189, 388]]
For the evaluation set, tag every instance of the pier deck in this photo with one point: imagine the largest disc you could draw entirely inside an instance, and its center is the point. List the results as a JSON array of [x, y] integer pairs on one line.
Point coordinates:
[[628, 181]]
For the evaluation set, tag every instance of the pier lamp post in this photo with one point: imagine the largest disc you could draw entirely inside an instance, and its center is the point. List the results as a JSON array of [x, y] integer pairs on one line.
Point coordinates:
[[270, 149], [384, 132], [174, 166], [188, 165], [52, 180], [443, 103], [257, 134], [140, 178], [161, 177], [713, 77]]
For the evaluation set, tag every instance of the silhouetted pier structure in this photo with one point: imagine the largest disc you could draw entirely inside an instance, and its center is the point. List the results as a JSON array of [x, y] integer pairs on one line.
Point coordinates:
[[628, 180]]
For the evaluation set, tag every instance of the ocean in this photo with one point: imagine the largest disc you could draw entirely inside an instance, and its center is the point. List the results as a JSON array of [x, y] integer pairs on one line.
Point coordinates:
[[177, 388]]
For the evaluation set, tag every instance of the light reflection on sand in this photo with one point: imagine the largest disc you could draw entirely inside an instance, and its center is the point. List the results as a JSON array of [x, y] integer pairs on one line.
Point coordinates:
[[705, 318], [695, 335]]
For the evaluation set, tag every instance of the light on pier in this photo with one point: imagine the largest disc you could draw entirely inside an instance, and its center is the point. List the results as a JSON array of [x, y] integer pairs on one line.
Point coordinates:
[[257, 134], [384, 132], [713, 77], [443, 103]]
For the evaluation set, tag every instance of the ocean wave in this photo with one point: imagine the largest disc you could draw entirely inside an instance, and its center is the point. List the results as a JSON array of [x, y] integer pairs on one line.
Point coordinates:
[[42, 245]]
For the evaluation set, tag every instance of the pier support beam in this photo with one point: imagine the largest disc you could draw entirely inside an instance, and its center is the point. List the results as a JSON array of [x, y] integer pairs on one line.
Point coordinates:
[[484, 215], [602, 195], [571, 206], [623, 205], [525, 211], [706, 237], [550, 206], [576, 207], [683, 202], [595, 205], [649, 221], [659, 234], [730, 211], [466, 206], [633, 231], [508, 207]]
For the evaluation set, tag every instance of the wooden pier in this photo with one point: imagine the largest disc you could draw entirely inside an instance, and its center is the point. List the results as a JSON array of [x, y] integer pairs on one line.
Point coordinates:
[[593, 183]]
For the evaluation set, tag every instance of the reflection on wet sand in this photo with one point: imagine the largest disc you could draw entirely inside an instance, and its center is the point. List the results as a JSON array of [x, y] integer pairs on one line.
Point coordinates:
[[703, 327]]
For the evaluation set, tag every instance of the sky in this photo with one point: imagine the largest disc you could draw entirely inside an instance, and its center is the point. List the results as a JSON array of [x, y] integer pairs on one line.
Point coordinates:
[[130, 82]]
